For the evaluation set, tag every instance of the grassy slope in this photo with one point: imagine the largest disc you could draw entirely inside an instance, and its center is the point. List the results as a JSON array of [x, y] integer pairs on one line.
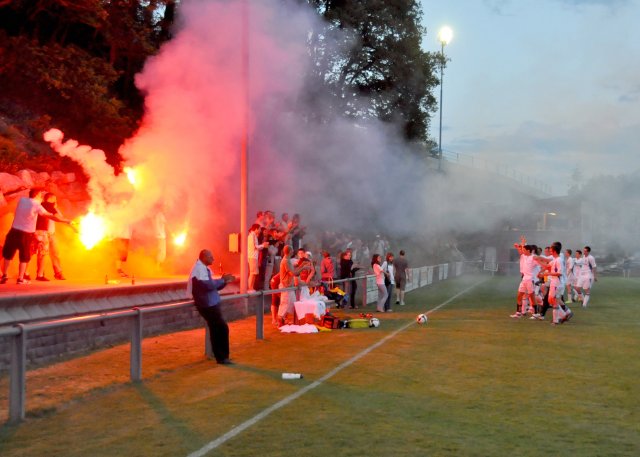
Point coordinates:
[[471, 382]]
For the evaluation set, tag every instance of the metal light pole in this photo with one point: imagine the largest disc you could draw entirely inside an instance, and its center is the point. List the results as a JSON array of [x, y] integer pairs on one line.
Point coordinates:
[[244, 172], [444, 36]]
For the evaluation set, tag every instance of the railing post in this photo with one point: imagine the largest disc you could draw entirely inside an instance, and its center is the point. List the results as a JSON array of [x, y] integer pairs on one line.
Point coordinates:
[[135, 366], [260, 318], [364, 291], [18, 376]]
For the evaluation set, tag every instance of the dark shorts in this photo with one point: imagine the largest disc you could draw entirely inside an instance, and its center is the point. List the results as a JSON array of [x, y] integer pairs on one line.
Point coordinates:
[[20, 241], [401, 282]]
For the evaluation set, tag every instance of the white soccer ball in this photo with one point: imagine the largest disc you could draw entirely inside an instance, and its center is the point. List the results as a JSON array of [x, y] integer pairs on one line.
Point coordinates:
[[422, 319], [374, 322]]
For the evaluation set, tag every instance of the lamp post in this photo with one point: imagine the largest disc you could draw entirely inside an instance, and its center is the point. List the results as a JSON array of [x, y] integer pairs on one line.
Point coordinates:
[[444, 36], [244, 146]]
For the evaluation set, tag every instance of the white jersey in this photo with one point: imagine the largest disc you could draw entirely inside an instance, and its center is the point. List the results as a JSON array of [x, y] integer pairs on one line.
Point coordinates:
[[569, 266], [556, 267], [589, 266], [527, 267], [563, 266]]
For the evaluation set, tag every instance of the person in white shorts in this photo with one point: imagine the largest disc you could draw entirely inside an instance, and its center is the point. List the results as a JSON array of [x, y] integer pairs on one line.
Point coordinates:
[[570, 276], [526, 288], [556, 286], [587, 275]]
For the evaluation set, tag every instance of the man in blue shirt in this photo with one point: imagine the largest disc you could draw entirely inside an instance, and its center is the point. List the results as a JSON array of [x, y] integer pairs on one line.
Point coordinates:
[[204, 290]]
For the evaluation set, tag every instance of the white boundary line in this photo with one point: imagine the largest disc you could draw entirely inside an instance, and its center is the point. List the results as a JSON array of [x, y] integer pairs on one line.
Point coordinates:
[[285, 401]]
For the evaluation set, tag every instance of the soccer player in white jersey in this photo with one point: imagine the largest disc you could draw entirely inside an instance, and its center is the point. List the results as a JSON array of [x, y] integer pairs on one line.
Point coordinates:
[[563, 280], [578, 263], [569, 268], [556, 286], [588, 275], [526, 287]]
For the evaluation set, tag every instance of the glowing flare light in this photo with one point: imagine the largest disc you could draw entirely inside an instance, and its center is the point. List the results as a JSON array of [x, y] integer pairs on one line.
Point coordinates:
[[131, 175], [92, 230], [180, 238]]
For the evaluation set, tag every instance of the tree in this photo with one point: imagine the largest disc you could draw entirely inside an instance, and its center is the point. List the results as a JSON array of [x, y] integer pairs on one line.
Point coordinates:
[[76, 61], [377, 68]]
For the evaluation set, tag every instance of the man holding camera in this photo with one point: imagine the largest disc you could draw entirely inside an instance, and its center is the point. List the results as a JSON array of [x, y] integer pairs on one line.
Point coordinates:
[[207, 300]]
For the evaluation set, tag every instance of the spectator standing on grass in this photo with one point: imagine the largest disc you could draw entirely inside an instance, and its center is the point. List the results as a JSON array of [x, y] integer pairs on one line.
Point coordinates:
[[401, 270], [376, 264], [389, 282], [287, 276], [271, 253], [275, 299], [348, 270], [20, 236], [204, 289]]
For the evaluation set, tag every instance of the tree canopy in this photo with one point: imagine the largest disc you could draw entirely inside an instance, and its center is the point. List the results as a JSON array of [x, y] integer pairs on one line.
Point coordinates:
[[74, 62], [378, 68]]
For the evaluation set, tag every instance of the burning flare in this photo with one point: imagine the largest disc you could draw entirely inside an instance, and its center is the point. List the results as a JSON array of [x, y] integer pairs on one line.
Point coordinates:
[[92, 230], [180, 238], [131, 175]]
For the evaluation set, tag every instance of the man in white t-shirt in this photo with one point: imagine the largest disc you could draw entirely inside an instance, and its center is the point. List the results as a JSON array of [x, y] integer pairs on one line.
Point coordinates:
[[22, 232]]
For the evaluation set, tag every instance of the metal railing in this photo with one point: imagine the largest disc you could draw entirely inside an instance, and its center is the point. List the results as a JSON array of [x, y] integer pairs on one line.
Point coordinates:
[[18, 333]]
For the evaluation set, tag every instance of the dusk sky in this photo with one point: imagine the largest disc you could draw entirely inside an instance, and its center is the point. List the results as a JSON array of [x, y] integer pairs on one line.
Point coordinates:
[[542, 85]]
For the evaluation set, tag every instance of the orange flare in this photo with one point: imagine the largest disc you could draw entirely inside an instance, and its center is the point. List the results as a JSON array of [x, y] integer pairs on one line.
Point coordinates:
[[92, 230], [180, 238]]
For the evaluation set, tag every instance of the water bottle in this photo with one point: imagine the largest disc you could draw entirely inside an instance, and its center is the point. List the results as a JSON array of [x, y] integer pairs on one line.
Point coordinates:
[[291, 376]]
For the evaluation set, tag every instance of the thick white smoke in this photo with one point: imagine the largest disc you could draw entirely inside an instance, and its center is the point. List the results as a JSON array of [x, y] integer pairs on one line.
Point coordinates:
[[335, 173]]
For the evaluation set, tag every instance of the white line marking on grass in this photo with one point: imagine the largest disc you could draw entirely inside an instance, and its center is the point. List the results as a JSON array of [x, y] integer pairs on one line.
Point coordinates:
[[285, 401]]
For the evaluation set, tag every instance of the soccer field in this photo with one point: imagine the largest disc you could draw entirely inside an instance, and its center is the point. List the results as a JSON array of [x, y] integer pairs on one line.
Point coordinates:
[[470, 382]]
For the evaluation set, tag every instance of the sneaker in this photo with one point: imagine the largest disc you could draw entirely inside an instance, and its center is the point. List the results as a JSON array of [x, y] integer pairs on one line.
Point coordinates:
[[397, 302], [23, 281], [568, 317], [59, 277], [123, 274], [42, 278], [389, 311], [517, 315], [4, 279], [401, 303], [27, 277]]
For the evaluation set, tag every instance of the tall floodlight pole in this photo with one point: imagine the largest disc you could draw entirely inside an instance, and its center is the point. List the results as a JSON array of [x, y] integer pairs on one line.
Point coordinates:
[[244, 173], [444, 36]]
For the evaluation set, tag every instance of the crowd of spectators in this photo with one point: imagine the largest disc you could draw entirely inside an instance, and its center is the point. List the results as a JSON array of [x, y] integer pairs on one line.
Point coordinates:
[[315, 260]]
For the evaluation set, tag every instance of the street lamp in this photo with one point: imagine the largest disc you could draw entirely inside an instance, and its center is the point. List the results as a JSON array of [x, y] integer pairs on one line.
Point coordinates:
[[444, 36]]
